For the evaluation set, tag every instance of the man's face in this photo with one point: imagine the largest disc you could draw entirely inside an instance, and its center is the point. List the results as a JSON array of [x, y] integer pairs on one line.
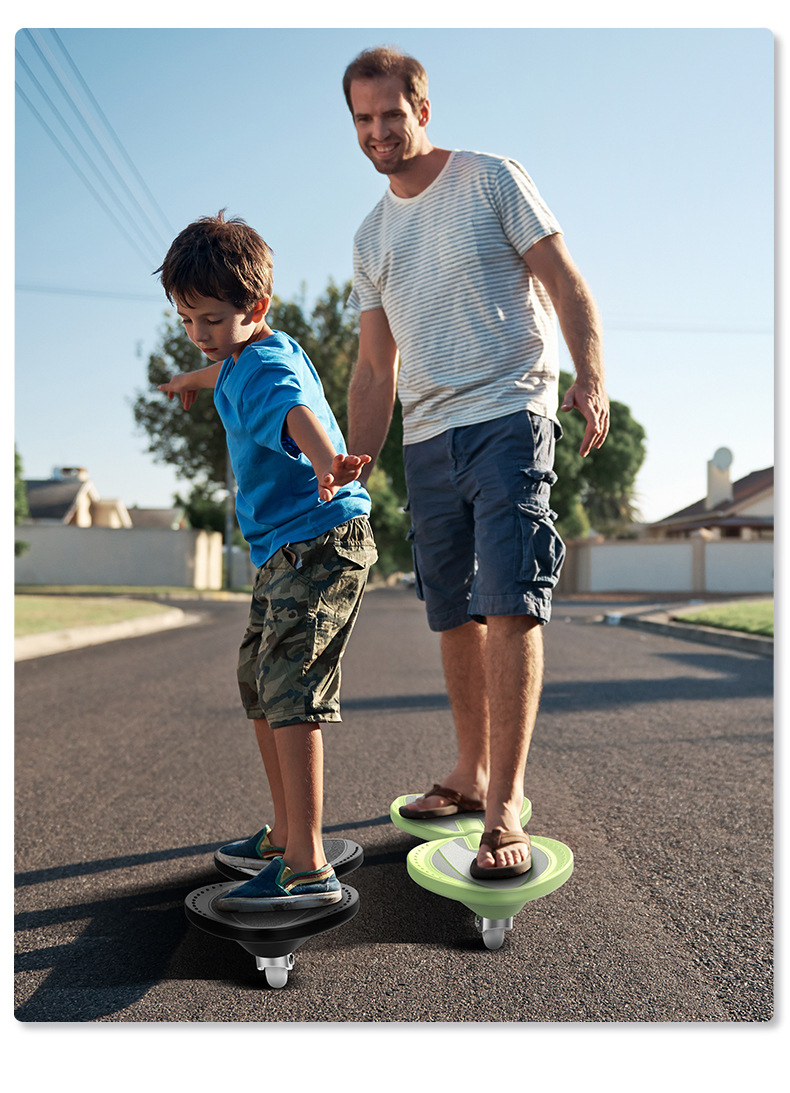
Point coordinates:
[[388, 130]]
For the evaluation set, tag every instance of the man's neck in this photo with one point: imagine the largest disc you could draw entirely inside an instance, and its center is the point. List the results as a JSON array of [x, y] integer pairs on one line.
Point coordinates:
[[418, 174]]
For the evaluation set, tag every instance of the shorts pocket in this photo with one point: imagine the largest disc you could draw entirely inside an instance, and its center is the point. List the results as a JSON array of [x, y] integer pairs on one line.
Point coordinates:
[[361, 554], [542, 550]]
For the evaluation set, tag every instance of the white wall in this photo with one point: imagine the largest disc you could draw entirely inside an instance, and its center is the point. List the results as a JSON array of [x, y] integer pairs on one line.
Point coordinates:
[[739, 567], [126, 556], [648, 567], [681, 565]]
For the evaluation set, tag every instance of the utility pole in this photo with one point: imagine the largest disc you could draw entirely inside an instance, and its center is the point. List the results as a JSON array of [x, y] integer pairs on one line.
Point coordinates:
[[230, 512]]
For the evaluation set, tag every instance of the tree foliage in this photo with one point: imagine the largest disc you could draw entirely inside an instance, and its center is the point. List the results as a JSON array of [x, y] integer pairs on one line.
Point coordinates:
[[597, 492], [192, 441], [21, 508]]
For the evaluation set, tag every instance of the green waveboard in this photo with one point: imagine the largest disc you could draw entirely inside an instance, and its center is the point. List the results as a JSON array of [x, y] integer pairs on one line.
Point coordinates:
[[442, 867], [445, 827]]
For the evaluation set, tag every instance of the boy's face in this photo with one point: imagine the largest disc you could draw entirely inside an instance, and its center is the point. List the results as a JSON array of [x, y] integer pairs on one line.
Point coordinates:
[[218, 328]]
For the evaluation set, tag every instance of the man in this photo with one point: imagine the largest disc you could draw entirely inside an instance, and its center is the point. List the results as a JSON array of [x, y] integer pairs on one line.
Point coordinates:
[[459, 272]]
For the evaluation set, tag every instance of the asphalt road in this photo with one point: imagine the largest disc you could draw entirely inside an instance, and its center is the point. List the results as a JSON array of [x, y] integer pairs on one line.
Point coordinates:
[[652, 760]]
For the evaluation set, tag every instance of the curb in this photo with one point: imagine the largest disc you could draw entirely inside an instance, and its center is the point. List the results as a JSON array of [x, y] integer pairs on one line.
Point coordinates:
[[661, 623], [61, 641]]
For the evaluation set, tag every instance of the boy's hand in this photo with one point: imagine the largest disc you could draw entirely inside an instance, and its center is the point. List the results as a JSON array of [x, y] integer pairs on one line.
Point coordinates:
[[345, 469], [184, 386]]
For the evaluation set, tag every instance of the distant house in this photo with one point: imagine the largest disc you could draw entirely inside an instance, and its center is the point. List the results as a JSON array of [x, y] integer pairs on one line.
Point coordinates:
[[69, 497], [730, 510], [176, 518]]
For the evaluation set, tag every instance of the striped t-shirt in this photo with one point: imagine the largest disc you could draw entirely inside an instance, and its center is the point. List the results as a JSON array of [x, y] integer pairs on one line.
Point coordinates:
[[476, 332]]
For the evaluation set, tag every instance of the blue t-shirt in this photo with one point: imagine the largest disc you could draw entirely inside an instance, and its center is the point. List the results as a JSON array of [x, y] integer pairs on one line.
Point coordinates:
[[277, 500]]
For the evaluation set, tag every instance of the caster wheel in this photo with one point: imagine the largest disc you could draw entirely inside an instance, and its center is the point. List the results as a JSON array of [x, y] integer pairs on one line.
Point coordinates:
[[493, 939], [277, 977]]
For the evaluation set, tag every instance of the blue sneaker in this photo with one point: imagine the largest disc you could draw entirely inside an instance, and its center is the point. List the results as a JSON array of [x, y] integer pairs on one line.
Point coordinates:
[[252, 853], [277, 888]]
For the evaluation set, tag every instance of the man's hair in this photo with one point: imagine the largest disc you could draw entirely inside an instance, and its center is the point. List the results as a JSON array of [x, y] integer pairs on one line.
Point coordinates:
[[224, 259], [372, 64]]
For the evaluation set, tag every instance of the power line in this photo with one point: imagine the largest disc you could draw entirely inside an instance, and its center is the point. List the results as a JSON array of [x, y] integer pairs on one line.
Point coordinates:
[[116, 139], [86, 181], [101, 294], [97, 157]]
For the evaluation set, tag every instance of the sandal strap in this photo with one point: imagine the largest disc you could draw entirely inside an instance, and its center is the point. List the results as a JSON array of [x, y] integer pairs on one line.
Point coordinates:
[[498, 838], [465, 804]]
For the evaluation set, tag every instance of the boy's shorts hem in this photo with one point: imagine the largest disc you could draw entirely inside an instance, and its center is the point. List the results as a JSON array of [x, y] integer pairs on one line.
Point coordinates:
[[295, 718]]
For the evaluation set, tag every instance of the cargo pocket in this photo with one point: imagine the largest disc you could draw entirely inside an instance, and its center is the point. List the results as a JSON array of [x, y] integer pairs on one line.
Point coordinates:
[[410, 538], [542, 550]]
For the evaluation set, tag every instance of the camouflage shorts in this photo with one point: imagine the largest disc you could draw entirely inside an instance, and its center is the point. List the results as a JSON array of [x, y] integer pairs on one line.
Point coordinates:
[[304, 604]]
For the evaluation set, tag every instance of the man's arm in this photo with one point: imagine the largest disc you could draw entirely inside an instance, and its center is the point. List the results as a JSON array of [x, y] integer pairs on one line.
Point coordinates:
[[371, 395], [332, 469], [580, 324], [187, 384]]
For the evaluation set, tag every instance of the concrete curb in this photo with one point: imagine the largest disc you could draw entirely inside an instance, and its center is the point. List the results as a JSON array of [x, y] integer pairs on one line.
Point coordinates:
[[661, 622], [60, 641]]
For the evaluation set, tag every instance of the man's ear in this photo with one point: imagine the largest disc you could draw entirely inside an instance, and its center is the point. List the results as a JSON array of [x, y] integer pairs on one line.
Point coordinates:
[[424, 113]]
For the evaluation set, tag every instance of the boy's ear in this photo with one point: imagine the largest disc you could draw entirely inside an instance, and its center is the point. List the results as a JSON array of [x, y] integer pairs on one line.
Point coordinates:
[[260, 308]]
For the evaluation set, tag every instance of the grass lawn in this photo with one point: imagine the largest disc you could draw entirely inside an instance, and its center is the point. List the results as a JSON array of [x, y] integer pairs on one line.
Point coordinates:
[[749, 616], [39, 614]]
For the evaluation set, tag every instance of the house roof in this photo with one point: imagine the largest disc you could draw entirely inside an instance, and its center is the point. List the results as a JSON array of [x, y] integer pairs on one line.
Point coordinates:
[[51, 498], [157, 518], [743, 491]]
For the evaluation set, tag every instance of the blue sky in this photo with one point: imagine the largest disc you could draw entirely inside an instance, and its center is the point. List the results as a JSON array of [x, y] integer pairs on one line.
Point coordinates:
[[653, 147]]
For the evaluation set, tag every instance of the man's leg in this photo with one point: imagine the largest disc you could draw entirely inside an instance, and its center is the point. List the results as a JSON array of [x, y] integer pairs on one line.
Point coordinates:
[[514, 680], [463, 659]]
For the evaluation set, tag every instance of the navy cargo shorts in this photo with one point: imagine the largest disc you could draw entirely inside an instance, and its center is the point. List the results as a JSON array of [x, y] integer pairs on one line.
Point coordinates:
[[483, 535]]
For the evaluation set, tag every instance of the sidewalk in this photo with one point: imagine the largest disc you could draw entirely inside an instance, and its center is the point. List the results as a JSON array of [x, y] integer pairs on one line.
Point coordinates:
[[661, 622]]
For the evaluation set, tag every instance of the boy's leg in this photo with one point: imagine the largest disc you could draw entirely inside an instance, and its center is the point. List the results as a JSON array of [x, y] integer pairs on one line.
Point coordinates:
[[267, 745], [300, 755]]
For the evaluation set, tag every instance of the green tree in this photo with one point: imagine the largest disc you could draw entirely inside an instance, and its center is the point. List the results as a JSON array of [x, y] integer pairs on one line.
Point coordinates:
[[21, 508], [597, 492], [192, 441]]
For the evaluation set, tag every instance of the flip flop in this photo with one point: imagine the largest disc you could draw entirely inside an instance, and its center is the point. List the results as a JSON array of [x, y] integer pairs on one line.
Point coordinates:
[[460, 804], [495, 840]]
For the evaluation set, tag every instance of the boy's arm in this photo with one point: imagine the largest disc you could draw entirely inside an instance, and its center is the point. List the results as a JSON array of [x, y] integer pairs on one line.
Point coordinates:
[[187, 384], [332, 469]]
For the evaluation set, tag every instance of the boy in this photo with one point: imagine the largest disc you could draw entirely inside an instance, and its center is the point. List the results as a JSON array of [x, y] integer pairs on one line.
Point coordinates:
[[305, 516]]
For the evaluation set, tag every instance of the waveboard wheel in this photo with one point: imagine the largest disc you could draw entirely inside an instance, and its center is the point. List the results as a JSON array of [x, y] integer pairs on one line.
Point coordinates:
[[275, 969]]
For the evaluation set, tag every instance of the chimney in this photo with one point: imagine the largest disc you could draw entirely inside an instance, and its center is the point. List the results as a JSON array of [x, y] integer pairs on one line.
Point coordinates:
[[719, 484], [73, 472]]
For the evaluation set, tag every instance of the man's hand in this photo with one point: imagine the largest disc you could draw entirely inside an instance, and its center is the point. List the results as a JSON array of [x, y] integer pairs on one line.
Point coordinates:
[[345, 469], [593, 404]]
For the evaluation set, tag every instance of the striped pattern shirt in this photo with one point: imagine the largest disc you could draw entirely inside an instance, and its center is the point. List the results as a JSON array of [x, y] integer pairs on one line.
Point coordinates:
[[476, 332]]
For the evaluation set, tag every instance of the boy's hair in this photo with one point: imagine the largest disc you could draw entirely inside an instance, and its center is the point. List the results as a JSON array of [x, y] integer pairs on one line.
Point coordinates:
[[224, 259], [372, 64]]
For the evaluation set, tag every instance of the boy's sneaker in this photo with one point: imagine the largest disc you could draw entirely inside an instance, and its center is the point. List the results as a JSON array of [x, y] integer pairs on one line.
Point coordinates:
[[278, 888], [252, 853]]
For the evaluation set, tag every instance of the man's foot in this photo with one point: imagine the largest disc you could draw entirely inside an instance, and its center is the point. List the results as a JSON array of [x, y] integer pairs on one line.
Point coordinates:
[[278, 888], [503, 854], [440, 801]]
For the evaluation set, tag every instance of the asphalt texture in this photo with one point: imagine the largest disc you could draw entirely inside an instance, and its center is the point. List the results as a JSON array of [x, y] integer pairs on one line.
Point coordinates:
[[652, 760]]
